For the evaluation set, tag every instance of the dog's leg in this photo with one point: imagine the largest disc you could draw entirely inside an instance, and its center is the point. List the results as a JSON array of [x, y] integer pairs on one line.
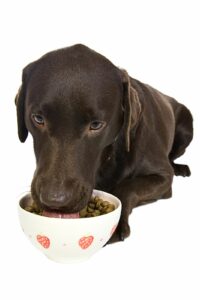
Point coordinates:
[[137, 191], [182, 138]]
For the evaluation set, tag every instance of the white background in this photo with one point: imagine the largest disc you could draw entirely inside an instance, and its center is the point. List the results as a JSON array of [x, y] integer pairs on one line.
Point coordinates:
[[158, 43]]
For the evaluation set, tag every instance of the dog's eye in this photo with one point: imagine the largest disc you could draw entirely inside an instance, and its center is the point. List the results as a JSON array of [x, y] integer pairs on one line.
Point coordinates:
[[96, 125], [38, 119]]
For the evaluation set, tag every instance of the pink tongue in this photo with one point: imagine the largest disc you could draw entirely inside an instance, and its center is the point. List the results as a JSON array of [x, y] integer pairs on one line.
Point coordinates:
[[60, 215]]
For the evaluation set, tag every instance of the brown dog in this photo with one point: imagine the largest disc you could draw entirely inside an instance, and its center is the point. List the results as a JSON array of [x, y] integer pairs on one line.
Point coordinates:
[[93, 126]]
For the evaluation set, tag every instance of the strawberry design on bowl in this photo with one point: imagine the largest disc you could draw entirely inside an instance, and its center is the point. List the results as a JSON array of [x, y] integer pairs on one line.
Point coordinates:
[[85, 241], [43, 240]]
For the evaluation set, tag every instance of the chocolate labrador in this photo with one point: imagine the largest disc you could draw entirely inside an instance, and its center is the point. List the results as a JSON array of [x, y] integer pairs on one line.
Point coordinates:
[[94, 126]]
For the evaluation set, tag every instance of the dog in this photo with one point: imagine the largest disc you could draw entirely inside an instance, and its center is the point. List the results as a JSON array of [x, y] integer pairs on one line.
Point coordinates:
[[94, 126]]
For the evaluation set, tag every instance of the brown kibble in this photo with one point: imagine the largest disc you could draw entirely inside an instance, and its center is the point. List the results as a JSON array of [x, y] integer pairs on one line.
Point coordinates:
[[83, 212], [29, 208], [88, 215], [112, 206], [97, 212], [96, 199], [93, 200], [105, 203], [102, 209], [90, 210], [98, 203], [91, 205], [108, 210]]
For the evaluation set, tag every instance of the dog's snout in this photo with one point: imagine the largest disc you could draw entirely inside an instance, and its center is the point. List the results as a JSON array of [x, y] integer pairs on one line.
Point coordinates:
[[53, 199], [69, 197]]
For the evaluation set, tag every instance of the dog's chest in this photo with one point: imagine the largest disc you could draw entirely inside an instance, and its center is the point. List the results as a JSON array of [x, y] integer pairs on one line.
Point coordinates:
[[111, 172]]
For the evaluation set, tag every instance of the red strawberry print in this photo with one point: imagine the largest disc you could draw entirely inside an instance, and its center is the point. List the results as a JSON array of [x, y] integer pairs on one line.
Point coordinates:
[[86, 241], [43, 240], [113, 229]]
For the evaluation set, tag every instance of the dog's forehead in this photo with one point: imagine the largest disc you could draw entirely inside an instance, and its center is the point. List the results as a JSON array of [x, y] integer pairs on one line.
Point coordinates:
[[76, 63], [74, 77], [73, 92]]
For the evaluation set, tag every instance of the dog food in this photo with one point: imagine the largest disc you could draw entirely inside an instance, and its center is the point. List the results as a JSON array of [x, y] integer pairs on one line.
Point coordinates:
[[33, 209], [96, 207]]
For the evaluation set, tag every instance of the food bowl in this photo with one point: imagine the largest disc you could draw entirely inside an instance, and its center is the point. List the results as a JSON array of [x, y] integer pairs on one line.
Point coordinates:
[[69, 240]]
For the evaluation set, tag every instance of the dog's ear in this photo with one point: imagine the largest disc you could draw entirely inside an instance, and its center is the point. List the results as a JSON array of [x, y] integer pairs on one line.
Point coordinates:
[[131, 106], [20, 105]]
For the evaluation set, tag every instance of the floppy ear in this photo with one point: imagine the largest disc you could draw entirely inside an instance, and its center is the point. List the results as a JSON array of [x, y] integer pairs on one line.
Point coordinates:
[[20, 105], [131, 106]]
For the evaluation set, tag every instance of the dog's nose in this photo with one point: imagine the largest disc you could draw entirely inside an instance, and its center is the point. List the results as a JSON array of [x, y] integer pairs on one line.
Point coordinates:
[[55, 199]]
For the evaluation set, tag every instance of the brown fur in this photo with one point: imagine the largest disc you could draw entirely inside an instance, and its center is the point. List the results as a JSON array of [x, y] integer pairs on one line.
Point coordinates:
[[132, 156]]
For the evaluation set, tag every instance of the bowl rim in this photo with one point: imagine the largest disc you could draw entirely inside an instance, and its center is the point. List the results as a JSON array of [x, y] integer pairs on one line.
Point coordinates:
[[118, 208]]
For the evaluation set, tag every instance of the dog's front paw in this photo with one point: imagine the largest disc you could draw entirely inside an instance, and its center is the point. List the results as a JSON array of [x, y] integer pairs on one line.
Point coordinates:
[[181, 170], [121, 233]]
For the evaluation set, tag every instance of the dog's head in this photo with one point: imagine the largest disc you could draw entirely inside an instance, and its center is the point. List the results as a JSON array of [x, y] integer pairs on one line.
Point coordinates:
[[75, 103]]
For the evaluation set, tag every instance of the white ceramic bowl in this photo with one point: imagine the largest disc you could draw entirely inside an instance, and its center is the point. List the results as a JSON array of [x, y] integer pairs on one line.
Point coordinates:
[[70, 240]]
